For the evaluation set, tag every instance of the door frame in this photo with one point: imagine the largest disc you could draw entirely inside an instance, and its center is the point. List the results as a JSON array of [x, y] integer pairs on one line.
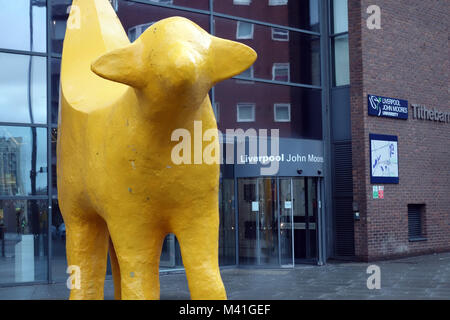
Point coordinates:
[[320, 221]]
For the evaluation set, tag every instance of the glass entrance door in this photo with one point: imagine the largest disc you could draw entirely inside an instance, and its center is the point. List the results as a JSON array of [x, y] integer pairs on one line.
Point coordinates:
[[305, 208], [286, 223], [258, 223], [278, 221]]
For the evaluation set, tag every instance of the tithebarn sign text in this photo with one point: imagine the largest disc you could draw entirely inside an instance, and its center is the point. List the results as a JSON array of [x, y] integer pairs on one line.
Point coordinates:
[[421, 112]]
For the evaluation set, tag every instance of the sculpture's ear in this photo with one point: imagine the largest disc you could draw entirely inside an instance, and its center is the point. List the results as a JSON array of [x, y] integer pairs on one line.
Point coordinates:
[[230, 58], [122, 65]]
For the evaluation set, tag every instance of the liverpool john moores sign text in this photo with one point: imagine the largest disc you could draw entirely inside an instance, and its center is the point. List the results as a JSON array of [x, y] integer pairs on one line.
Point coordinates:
[[387, 107]]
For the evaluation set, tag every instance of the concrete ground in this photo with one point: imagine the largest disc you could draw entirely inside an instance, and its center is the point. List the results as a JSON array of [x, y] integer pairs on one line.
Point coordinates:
[[424, 277]]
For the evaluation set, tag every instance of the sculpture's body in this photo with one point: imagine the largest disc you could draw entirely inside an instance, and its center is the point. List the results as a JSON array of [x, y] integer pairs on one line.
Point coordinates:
[[116, 178]]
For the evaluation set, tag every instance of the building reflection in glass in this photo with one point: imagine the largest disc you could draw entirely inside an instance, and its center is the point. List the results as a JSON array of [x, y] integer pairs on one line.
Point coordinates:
[[24, 239], [23, 169]]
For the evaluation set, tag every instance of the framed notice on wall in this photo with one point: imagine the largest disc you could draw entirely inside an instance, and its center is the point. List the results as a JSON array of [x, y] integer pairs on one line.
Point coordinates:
[[383, 159]]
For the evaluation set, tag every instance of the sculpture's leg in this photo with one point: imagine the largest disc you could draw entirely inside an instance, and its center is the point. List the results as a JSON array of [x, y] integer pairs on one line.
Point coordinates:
[[199, 250], [115, 270], [87, 247], [138, 249]]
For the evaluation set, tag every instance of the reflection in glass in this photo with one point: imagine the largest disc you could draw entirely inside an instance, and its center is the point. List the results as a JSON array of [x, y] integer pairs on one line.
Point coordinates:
[[258, 223], [131, 14], [340, 16], [305, 108], [23, 159], [60, 13], [301, 14], [58, 234], [244, 30], [23, 25], [248, 220], [299, 57], [341, 61], [54, 137], [24, 239], [196, 4], [312, 218], [23, 88], [268, 221], [55, 76], [286, 223], [136, 17], [305, 218], [227, 232]]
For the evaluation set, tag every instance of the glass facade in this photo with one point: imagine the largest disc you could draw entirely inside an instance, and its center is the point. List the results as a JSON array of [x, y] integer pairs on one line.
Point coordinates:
[[283, 90], [24, 195], [339, 43]]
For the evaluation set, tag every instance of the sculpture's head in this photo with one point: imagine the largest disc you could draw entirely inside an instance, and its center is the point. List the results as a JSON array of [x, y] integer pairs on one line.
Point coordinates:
[[175, 59]]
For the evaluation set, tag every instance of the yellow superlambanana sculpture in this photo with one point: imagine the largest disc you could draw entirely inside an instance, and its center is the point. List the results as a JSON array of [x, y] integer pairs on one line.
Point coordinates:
[[117, 185]]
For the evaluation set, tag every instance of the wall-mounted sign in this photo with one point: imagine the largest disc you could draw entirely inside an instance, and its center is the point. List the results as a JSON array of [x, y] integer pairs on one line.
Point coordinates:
[[387, 107], [378, 192], [255, 206], [383, 159], [423, 113], [291, 156]]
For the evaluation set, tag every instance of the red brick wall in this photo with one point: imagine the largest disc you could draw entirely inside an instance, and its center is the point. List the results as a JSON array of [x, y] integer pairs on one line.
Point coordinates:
[[407, 59]]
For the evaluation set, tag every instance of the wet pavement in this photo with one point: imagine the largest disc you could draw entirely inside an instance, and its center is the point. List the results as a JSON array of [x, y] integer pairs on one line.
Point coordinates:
[[423, 277]]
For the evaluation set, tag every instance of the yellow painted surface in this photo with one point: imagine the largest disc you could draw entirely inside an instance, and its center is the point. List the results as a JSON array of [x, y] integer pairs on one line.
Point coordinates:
[[120, 103]]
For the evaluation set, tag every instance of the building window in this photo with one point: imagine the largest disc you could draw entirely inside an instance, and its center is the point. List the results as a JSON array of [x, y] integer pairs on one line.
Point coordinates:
[[282, 112], [242, 2], [339, 16], [280, 72], [20, 19], [24, 230], [163, 1], [216, 109], [247, 74], [278, 2], [136, 31], [23, 88], [280, 34], [339, 43], [245, 112], [23, 150], [244, 30], [341, 61], [416, 214]]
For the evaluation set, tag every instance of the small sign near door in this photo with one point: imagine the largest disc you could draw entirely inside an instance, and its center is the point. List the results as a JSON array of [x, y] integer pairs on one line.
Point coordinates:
[[378, 192], [255, 206], [288, 204]]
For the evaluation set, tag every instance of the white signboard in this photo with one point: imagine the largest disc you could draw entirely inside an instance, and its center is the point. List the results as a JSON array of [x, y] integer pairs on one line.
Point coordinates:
[[384, 159]]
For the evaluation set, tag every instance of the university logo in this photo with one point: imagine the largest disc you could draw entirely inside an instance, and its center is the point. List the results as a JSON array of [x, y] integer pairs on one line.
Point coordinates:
[[387, 107], [375, 104]]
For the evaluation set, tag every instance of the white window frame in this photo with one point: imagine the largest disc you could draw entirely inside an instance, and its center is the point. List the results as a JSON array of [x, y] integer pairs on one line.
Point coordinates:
[[277, 105], [163, 1], [244, 37], [247, 81], [279, 31], [245, 104], [216, 110], [140, 28], [242, 2], [277, 66], [278, 2], [114, 4]]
